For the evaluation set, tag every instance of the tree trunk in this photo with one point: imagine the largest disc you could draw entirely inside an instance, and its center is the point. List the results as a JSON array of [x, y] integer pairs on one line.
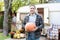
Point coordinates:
[[5, 21], [10, 19]]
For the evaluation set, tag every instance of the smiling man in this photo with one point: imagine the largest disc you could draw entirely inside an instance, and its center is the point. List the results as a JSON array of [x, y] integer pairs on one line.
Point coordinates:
[[34, 18]]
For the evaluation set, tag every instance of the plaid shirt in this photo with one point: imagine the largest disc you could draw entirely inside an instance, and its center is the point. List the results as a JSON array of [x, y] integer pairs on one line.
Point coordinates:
[[39, 23]]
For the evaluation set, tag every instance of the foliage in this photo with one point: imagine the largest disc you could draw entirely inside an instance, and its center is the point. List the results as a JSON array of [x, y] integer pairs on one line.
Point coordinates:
[[18, 3], [1, 22], [1, 6]]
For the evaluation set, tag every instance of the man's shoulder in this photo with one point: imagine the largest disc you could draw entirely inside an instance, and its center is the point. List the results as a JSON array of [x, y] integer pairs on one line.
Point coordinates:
[[38, 15], [27, 15]]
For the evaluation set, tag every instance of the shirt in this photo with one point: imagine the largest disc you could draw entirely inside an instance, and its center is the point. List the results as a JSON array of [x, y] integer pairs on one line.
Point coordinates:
[[32, 18]]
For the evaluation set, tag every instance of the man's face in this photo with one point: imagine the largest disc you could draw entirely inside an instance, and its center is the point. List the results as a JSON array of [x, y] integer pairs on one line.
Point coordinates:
[[32, 9]]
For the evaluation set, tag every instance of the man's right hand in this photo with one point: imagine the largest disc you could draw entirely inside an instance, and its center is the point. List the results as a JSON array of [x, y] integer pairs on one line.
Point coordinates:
[[35, 29]]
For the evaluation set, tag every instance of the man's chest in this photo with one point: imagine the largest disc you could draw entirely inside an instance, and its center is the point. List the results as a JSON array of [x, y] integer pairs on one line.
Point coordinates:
[[32, 19]]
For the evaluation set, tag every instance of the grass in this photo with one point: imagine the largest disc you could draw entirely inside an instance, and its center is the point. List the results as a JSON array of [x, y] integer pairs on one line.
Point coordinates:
[[3, 37]]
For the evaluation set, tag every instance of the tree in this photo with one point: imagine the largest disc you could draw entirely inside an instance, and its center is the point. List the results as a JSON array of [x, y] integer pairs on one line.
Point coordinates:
[[34, 1], [1, 6], [7, 4], [43, 1], [18, 3], [8, 7]]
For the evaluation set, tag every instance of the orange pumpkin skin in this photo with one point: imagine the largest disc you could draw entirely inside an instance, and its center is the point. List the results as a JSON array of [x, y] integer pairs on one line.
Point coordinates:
[[30, 27], [12, 32]]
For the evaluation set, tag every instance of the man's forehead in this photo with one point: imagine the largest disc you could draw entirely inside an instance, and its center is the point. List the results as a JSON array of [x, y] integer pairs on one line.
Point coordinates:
[[32, 7]]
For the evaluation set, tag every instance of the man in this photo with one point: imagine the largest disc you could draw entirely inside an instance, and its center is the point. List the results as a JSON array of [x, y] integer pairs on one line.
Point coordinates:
[[35, 18]]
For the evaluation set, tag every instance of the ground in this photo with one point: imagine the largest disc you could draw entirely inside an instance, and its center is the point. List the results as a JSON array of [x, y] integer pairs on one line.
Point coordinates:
[[8, 38], [3, 37], [41, 38]]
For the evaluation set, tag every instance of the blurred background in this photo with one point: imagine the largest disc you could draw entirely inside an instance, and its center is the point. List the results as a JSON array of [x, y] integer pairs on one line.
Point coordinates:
[[48, 9]]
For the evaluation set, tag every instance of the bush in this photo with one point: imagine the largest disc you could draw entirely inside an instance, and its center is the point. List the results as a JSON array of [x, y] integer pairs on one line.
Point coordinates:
[[1, 22]]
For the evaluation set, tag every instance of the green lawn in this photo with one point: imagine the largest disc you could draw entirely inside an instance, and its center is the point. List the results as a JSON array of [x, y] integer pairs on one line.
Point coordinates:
[[3, 37]]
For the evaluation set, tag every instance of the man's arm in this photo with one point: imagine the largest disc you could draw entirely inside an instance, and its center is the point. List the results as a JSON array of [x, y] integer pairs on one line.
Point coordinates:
[[41, 22]]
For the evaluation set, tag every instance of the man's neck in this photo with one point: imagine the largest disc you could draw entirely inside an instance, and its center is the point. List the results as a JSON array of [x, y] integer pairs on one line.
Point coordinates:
[[32, 14]]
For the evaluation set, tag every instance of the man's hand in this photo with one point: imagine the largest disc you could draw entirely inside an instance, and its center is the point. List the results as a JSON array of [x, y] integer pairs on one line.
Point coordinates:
[[35, 29]]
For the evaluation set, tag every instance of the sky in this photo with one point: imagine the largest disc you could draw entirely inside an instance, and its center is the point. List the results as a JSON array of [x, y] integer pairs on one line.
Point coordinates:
[[53, 1], [57, 0]]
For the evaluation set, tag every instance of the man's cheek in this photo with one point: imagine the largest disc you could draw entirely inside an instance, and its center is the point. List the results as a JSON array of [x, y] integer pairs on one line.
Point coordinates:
[[31, 10]]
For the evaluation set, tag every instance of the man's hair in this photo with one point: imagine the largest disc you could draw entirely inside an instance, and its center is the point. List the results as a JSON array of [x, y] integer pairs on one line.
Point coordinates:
[[33, 6]]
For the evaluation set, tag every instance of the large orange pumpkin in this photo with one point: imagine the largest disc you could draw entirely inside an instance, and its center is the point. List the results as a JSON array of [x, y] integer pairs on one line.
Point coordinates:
[[30, 27]]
